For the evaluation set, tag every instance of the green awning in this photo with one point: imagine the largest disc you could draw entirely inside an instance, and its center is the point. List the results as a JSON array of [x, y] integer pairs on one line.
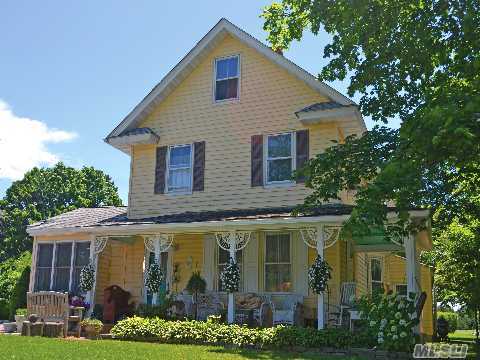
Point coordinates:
[[375, 241]]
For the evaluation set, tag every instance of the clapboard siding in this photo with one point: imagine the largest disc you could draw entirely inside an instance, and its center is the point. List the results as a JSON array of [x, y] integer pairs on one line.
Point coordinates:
[[187, 246], [269, 96]]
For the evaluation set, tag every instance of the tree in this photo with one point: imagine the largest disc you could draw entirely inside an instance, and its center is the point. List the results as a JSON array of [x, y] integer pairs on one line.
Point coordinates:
[[46, 192], [416, 60]]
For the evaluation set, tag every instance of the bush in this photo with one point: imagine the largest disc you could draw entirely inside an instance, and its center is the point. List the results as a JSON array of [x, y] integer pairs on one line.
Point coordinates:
[[198, 332], [452, 319], [14, 279], [160, 310], [390, 320], [96, 324], [21, 312]]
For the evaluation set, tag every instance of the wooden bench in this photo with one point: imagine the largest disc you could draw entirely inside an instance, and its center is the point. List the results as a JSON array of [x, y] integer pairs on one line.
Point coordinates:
[[49, 306]]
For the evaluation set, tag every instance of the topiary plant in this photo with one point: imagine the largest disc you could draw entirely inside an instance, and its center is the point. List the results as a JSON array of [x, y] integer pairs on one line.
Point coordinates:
[[196, 284]]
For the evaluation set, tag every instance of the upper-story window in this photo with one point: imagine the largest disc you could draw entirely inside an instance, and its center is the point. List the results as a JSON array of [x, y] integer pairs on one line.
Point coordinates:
[[179, 176], [227, 78], [280, 160]]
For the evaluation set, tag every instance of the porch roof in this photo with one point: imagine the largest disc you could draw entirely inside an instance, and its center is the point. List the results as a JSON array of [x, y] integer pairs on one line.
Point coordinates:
[[115, 219]]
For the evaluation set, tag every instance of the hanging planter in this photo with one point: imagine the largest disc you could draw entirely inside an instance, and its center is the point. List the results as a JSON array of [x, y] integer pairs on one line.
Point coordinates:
[[230, 277], [318, 275], [87, 278], [153, 278]]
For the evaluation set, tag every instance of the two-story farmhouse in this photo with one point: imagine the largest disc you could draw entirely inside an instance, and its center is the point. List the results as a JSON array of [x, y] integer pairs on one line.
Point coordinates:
[[212, 149]]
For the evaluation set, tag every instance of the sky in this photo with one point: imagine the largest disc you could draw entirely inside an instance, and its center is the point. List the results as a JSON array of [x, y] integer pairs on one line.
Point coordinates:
[[71, 71]]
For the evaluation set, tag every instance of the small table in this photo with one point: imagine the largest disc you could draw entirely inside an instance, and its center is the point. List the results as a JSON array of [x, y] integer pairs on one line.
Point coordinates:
[[354, 315]]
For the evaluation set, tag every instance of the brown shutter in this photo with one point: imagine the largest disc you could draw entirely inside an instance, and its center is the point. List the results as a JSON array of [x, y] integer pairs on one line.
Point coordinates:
[[302, 151], [160, 169], [199, 166], [257, 160]]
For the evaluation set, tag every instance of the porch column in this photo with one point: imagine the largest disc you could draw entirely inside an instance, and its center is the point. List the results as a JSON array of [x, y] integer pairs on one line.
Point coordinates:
[[97, 245], [158, 258], [231, 304], [413, 274], [320, 297]]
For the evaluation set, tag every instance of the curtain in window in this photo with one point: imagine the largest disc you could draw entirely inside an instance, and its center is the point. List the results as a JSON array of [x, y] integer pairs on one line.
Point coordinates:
[[43, 267], [180, 171], [82, 258], [61, 275], [278, 277]]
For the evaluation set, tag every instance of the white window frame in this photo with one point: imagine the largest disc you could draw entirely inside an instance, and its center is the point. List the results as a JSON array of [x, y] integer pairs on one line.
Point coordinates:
[[217, 270], [266, 158], [265, 263], [167, 175], [239, 77], [396, 289], [54, 256], [382, 266]]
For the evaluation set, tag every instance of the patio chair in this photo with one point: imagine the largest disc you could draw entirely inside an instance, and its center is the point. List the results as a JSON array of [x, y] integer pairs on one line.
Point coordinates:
[[187, 300], [253, 309], [116, 304], [208, 304], [347, 301], [49, 306], [288, 309]]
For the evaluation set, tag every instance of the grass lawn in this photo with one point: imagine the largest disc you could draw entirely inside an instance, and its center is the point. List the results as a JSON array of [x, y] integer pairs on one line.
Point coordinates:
[[19, 347], [465, 336]]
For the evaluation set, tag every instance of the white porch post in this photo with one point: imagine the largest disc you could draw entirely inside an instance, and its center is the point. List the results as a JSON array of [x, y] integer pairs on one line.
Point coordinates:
[[157, 259], [320, 297], [231, 304], [96, 247], [412, 268]]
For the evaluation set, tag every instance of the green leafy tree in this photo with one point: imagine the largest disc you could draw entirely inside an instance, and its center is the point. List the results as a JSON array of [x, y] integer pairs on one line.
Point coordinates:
[[415, 60], [46, 192]]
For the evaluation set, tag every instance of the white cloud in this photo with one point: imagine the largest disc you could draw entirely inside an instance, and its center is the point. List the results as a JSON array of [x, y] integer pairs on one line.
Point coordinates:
[[23, 143]]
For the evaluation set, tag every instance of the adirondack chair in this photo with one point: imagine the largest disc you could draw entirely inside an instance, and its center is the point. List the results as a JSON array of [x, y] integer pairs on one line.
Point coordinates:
[[347, 298], [49, 306]]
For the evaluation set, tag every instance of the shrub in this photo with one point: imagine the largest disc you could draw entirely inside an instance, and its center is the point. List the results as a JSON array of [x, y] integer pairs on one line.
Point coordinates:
[[14, 279], [160, 310], [390, 320], [452, 319], [94, 323], [21, 312], [198, 332]]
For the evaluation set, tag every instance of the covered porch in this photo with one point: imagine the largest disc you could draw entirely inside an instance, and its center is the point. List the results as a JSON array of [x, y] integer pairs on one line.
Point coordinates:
[[273, 253]]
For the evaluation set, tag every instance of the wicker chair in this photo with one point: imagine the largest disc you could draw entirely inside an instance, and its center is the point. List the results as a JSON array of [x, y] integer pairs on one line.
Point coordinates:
[[208, 304], [288, 309], [260, 307]]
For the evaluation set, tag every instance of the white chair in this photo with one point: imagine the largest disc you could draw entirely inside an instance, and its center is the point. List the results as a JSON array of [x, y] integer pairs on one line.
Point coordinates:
[[287, 309], [347, 299]]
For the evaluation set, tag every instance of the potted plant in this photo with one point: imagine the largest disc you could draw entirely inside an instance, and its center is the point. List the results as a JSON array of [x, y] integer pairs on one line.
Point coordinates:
[[92, 328], [196, 285], [20, 317]]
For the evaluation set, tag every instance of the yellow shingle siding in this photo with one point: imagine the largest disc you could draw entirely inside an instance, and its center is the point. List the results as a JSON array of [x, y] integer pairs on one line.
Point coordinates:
[[188, 255], [269, 96]]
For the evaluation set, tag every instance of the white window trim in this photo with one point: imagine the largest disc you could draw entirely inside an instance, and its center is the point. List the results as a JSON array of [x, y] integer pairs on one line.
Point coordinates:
[[266, 158], [214, 84], [265, 263], [382, 264], [167, 175], [217, 264], [54, 254]]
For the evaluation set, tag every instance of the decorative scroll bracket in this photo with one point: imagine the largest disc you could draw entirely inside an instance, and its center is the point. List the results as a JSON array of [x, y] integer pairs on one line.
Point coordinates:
[[99, 244], [233, 240], [330, 235], [158, 242]]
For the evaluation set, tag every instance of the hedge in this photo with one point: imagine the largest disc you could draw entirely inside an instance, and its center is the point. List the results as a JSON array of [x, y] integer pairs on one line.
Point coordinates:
[[14, 278], [452, 319], [213, 333]]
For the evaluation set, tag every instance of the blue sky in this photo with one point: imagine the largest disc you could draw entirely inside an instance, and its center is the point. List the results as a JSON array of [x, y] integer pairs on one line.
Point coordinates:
[[80, 67]]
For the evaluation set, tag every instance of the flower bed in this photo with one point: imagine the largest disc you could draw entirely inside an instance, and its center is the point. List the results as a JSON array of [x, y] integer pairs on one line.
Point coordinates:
[[198, 332]]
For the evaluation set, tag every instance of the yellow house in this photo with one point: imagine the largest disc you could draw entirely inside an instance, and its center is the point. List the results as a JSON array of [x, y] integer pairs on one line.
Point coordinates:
[[212, 148]]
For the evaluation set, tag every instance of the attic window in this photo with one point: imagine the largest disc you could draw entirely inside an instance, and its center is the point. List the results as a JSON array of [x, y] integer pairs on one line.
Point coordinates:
[[227, 78]]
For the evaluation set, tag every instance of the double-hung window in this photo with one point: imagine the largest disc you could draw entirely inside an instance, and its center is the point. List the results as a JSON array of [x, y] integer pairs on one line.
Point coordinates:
[[376, 275], [223, 256], [279, 158], [179, 177], [227, 78], [278, 265], [401, 289], [59, 265]]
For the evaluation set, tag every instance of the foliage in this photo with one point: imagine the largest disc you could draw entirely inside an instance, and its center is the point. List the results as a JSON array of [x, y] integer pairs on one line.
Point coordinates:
[[46, 192], [196, 284], [94, 323], [198, 332], [87, 278], [79, 301], [151, 311], [318, 275], [97, 312], [390, 320], [452, 319], [230, 276], [154, 277], [21, 312], [14, 279], [416, 61]]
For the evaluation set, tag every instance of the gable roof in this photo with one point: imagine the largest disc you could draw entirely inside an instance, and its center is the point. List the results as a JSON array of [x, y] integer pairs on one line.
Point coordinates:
[[198, 53]]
